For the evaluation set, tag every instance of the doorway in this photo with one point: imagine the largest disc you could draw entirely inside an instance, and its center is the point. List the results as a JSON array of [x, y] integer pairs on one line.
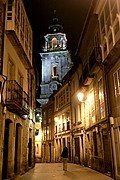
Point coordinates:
[[30, 152], [77, 151], [5, 150], [50, 151], [107, 154], [17, 149]]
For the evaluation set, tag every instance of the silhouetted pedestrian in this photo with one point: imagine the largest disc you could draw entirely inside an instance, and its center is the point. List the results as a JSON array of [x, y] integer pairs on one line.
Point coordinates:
[[64, 155]]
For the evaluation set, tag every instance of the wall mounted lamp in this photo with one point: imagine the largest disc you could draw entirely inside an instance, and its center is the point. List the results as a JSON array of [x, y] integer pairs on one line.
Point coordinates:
[[80, 96]]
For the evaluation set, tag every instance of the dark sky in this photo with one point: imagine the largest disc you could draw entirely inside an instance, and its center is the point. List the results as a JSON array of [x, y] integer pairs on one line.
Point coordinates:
[[71, 15]]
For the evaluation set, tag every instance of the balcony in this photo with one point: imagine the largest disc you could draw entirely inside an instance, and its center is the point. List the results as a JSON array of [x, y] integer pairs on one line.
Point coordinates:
[[95, 60], [16, 99], [112, 57]]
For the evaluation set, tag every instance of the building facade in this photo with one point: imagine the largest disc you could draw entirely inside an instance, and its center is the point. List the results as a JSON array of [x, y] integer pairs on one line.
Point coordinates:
[[18, 93], [100, 77], [109, 25]]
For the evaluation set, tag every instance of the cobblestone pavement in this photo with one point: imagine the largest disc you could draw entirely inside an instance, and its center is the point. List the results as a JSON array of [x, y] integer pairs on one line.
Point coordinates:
[[53, 171]]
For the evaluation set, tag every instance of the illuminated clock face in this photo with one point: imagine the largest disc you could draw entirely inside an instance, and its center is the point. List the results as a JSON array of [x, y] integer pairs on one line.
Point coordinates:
[[53, 86]]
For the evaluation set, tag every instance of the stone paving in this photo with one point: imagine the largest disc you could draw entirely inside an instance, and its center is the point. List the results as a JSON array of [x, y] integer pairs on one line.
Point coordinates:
[[53, 171]]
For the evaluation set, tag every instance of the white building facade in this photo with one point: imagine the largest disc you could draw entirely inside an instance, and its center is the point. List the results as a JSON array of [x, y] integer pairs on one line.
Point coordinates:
[[18, 95]]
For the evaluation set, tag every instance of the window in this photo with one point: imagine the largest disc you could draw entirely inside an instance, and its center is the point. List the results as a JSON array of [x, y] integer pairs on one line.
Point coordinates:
[[36, 132], [116, 28], [9, 13], [92, 101], [56, 129], [80, 113], [110, 40], [74, 114], [116, 77], [48, 132], [44, 133], [11, 70], [113, 5], [95, 144], [101, 99], [57, 104], [68, 125], [60, 128], [63, 127], [97, 39], [18, 12], [20, 79], [54, 71], [67, 94]]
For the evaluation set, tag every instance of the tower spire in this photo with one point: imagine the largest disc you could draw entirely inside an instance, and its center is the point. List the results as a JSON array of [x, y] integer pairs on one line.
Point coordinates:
[[55, 16]]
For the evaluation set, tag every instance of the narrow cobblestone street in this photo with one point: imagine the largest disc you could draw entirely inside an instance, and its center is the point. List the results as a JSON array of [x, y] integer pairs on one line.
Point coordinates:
[[53, 171]]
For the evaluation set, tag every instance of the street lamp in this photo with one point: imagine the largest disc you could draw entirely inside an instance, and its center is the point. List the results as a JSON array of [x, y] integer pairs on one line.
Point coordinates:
[[80, 96]]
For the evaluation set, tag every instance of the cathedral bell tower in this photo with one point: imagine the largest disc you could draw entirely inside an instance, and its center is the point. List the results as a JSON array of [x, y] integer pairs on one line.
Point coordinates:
[[56, 61]]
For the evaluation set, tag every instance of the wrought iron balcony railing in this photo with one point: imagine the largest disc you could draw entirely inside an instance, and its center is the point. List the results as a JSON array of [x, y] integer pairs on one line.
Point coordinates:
[[17, 100]]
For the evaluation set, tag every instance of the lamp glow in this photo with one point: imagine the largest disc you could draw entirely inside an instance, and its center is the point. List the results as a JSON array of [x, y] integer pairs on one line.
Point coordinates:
[[80, 96]]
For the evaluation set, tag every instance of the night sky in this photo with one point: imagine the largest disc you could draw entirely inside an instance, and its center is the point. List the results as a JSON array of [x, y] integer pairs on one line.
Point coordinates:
[[70, 13]]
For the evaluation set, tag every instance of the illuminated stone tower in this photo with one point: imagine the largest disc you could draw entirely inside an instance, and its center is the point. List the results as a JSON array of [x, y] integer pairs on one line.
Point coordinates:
[[56, 61]]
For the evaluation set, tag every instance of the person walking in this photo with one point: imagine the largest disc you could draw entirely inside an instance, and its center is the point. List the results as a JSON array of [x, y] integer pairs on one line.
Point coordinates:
[[64, 155]]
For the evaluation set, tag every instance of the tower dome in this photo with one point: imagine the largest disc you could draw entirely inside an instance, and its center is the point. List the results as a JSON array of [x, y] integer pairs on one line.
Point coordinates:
[[55, 27]]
